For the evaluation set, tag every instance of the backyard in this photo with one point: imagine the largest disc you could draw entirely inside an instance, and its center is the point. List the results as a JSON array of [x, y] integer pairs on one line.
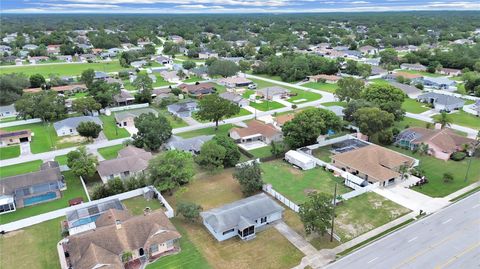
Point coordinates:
[[327, 87], [137, 204], [74, 69], [262, 152], [21, 168], [9, 152], [110, 152]]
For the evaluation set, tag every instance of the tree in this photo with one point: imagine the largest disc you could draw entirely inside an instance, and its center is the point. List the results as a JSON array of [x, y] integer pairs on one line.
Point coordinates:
[[104, 92], [189, 211], [244, 65], [316, 213], [307, 125], [89, 129], [387, 98], [87, 77], [353, 106], [188, 64], [46, 105], [389, 57], [447, 177], [37, 81], [171, 169], [423, 149], [443, 119], [403, 170], [278, 148], [372, 120], [214, 108], [232, 153], [349, 89], [223, 68], [181, 74], [11, 87], [250, 178], [85, 105], [211, 156], [82, 163], [153, 131]]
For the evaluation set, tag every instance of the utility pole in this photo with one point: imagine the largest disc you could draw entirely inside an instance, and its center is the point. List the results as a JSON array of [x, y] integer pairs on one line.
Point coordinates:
[[469, 163], [333, 211]]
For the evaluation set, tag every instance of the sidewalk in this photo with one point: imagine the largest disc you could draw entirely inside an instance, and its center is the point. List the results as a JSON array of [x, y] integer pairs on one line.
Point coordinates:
[[297, 240]]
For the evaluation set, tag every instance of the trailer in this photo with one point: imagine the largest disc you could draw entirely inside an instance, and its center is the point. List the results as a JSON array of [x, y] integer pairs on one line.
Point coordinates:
[[300, 160]]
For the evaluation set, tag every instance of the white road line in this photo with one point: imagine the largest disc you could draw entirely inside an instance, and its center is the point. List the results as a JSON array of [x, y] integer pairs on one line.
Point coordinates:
[[447, 221], [413, 239], [372, 260], [475, 206]]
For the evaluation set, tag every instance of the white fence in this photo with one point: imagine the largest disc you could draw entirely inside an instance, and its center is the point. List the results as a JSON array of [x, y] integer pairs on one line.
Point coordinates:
[[331, 141], [471, 109], [121, 108], [268, 189], [358, 191], [19, 122]]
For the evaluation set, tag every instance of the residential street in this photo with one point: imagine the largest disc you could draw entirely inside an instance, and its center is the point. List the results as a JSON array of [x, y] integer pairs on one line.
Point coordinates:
[[449, 238]]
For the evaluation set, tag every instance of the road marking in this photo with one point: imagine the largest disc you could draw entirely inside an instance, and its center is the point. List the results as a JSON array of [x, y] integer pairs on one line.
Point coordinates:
[[372, 260], [455, 257], [447, 221], [413, 239], [476, 206]]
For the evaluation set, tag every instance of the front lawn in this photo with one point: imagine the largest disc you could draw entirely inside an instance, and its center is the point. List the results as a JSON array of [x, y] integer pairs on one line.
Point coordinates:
[[9, 152], [175, 122], [21, 168], [44, 136], [296, 184], [303, 96], [193, 79], [407, 122], [62, 160], [414, 106], [34, 247], [110, 152], [266, 105], [73, 69], [74, 190], [426, 74], [379, 81], [222, 130], [327, 87], [435, 168], [137, 204], [464, 119], [111, 130]]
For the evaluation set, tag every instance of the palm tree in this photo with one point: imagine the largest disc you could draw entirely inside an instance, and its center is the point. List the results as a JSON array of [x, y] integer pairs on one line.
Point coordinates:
[[403, 170], [444, 120], [423, 149]]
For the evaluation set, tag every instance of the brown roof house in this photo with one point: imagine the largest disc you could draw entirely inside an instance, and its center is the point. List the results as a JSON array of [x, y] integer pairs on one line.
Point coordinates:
[[8, 138], [127, 118], [198, 89], [373, 163], [326, 78], [236, 81], [130, 161], [282, 119], [441, 142], [122, 241], [256, 131]]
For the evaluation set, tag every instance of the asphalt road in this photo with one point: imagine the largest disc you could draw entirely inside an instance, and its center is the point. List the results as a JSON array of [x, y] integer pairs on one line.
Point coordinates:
[[449, 238]]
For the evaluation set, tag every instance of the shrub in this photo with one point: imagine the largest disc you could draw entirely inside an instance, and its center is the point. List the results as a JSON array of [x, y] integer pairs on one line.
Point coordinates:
[[458, 156]]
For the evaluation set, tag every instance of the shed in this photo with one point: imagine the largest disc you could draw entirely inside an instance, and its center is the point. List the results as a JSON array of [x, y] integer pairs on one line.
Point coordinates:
[[300, 160]]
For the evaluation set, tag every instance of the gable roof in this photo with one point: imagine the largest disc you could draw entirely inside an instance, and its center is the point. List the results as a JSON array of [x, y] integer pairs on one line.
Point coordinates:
[[407, 89], [189, 144], [232, 97], [241, 213], [268, 92], [47, 174], [442, 99], [182, 107], [129, 159], [256, 127], [122, 115], [204, 87], [73, 122], [444, 139], [123, 96]]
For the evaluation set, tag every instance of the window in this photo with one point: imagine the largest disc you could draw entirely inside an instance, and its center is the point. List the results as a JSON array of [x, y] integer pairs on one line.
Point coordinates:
[[229, 231], [263, 220], [154, 248]]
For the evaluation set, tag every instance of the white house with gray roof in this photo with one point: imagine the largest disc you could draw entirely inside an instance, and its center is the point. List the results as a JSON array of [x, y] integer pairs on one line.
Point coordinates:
[[184, 109], [411, 91], [192, 145], [442, 102], [242, 218], [438, 82], [235, 98], [69, 126], [127, 118]]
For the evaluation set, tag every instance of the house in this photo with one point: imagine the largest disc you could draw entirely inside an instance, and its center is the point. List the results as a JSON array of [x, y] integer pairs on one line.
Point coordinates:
[[72, 88], [442, 102], [101, 75], [415, 67], [162, 59], [127, 118], [415, 78], [373, 163], [184, 109], [411, 91], [372, 61], [368, 50], [300, 160], [5, 49], [256, 131], [242, 218], [30, 47], [234, 82], [235, 98], [177, 39], [138, 64], [170, 76], [378, 71], [8, 138], [130, 161], [66, 58], [31, 188], [53, 49], [282, 119], [450, 72], [8, 111], [37, 59], [161, 93], [438, 82], [441, 142], [272, 93], [146, 238], [69, 126], [207, 54], [200, 71], [192, 145], [324, 78], [87, 58], [198, 89], [123, 98]]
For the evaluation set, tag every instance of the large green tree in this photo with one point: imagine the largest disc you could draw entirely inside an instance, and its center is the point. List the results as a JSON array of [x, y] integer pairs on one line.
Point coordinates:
[[144, 86], [85, 105], [387, 98], [372, 120], [171, 169], [153, 131], [250, 178], [212, 156], [82, 163], [104, 92], [223, 68], [89, 129], [232, 153], [189, 211], [316, 213], [37, 80], [87, 77], [349, 89], [11, 87], [214, 108], [46, 105]]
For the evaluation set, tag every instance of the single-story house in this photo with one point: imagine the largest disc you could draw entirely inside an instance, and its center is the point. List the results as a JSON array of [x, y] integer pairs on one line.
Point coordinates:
[[272, 93], [373, 163], [162, 59], [53, 49], [192, 145], [235, 98], [101, 75], [415, 78], [450, 72], [184, 109], [132, 78], [69, 126], [411, 91], [30, 47], [31, 188], [72, 88], [198, 89], [242, 218], [368, 50], [177, 39], [300, 160], [282, 119], [87, 57], [130, 161], [123, 98], [8, 111], [324, 77], [200, 71], [127, 118], [378, 71], [441, 142], [37, 59], [8, 138], [207, 54], [170, 76], [438, 82], [138, 64], [256, 131], [338, 110], [442, 102], [146, 237], [415, 67], [161, 93], [233, 82], [372, 61]]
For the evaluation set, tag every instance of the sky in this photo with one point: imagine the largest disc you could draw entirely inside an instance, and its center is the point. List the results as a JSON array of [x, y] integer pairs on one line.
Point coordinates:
[[228, 6]]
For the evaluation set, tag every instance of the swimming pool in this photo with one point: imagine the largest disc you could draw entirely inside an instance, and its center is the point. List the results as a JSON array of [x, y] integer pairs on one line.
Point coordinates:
[[39, 198], [84, 221]]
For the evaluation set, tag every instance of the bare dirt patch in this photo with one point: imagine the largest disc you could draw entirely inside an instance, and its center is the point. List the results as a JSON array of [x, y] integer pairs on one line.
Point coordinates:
[[72, 139]]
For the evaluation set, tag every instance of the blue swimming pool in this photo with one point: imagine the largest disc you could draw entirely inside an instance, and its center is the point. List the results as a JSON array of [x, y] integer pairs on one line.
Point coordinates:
[[39, 198], [84, 221]]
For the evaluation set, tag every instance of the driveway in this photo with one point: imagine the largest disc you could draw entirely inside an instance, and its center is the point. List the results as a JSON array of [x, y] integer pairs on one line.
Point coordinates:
[[25, 149], [190, 121]]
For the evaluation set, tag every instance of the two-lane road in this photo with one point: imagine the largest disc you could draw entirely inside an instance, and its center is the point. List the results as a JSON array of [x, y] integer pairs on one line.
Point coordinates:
[[449, 238]]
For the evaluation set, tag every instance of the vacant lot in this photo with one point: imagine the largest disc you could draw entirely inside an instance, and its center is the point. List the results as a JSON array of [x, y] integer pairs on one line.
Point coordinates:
[[110, 152], [413, 106], [62, 69], [21, 168], [328, 87], [9, 152]]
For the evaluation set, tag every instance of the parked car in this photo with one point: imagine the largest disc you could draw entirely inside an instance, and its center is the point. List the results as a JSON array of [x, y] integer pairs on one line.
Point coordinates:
[[252, 86]]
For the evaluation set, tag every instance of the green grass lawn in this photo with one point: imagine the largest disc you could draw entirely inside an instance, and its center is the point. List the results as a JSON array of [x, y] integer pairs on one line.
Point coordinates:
[[364, 213], [63, 69], [247, 93], [323, 153], [303, 96], [266, 105], [33, 247], [464, 119], [342, 104], [111, 130], [409, 122], [222, 130], [427, 74], [44, 136], [137, 204], [193, 79], [160, 82], [379, 81], [9, 152], [185, 58], [175, 122], [74, 190], [414, 106], [110, 152], [435, 168], [295, 184], [8, 119], [262, 152], [62, 160], [79, 95], [21, 168], [327, 87]]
